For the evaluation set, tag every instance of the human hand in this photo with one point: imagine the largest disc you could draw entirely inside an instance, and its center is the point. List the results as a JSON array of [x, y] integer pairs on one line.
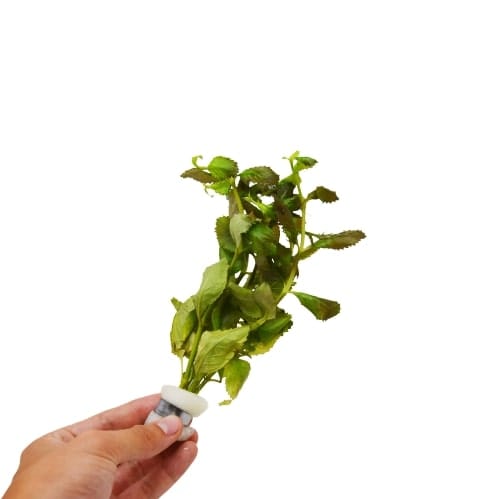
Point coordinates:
[[110, 455]]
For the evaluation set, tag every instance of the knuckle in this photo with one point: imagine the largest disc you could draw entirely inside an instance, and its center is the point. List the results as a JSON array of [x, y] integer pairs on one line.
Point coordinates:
[[90, 439], [29, 450], [147, 436], [147, 487]]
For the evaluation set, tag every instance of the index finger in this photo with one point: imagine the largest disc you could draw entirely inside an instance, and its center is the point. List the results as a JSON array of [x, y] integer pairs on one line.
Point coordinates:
[[119, 418]]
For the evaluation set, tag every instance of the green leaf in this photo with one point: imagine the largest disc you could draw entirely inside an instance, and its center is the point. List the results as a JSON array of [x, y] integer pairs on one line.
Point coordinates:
[[176, 303], [245, 300], [268, 272], [293, 179], [265, 300], [217, 348], [260, 209], [183, 324], [221, 186], [238, 225], [222, 168], [199, 175], [224, 238], [262, 175], [212, 286], [323, 194], [303, 162], [284, 260], [230, 317], [224, 314], [293, 203], [263, 339], [235, 372], [293, 156], [286, 219], [341, 240], [263, 239], [254, 304], [338, 241], [322, 308], [286, 189]]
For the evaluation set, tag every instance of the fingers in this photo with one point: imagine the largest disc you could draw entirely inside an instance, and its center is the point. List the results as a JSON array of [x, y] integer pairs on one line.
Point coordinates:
[[168, 468], [136, 443], [123, 416], [132, 472]]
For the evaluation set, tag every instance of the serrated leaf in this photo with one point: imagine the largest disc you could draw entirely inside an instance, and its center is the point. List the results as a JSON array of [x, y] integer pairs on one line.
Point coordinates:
[[341, 240], [322, 308], [212, 286], [293, 179], [265, 300], [263, 239], [254, 304], [303, 162], [222, 231], [222, 168], [338, 241], [238, 225], [286, 189], [245, 300], [258, 208], [262, 175], [224, 314], [235, 372], [197, 174], [286, 219], [183, 324], [323, 194], [217, 348], [293, 203], [284, 259], [268, 272], [263, 339], [221, 186]]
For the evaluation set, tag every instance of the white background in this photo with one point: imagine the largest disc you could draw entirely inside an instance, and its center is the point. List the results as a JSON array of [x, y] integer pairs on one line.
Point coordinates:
[[102, 105]]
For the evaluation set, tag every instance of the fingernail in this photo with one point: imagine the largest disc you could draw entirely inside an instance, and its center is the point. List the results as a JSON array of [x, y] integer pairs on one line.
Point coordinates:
[[170, 424]]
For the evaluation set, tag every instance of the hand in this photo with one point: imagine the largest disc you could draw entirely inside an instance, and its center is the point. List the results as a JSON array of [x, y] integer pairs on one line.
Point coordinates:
[[110, 455]]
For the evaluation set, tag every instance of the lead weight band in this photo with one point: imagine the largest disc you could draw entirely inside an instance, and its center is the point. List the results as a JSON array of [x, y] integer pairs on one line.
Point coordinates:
[[164, 408]]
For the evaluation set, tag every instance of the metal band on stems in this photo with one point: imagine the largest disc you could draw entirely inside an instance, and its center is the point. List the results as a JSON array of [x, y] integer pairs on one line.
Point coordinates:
[[165, 408]]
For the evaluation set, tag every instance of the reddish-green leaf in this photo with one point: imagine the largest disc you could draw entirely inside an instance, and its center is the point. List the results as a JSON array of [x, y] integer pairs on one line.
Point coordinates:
[[259, 175], [323, 194], [197, 174], [322, 308], [338, 241], [303, 162]]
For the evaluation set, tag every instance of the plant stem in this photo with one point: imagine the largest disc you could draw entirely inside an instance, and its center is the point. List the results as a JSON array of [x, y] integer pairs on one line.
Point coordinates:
[[296, 258], [237, 198], [186, 377]]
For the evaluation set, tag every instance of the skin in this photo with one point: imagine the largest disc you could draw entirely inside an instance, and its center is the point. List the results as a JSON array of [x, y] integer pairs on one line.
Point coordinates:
[[110, 455]]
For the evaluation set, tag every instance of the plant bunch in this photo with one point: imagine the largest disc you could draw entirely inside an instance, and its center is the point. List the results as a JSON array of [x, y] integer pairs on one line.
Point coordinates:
[[235, 313]]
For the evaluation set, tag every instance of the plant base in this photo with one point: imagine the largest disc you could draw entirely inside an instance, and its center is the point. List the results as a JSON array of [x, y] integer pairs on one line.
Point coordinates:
[[181, 403]]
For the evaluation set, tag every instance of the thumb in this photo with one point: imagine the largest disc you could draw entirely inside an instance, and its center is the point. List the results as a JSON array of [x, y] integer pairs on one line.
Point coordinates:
[[136, 443]]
